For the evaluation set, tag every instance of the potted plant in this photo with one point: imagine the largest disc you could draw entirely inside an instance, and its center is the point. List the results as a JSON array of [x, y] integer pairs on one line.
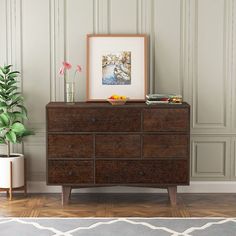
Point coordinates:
[[12, 129]]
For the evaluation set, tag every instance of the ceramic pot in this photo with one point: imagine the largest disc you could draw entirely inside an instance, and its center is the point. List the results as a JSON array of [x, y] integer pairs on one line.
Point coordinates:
[[17, 170]]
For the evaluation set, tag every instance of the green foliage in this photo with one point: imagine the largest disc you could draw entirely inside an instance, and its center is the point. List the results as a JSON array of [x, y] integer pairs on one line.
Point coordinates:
[[12, 109]]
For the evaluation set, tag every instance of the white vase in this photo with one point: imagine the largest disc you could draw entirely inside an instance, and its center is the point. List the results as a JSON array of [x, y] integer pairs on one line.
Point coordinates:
[[17, 171]]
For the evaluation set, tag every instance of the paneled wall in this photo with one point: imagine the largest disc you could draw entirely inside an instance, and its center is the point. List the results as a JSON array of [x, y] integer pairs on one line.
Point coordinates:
[[192, 52]]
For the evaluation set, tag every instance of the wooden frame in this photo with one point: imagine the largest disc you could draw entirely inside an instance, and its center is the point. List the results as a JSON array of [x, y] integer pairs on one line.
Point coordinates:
[[10, 190], [145, 73]]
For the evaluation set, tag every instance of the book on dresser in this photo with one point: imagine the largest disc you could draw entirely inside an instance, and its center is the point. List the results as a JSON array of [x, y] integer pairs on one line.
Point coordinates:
[[97, 144]]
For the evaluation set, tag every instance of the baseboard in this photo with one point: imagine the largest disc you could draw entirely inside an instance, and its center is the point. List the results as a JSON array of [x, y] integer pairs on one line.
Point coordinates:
[[195, 187]]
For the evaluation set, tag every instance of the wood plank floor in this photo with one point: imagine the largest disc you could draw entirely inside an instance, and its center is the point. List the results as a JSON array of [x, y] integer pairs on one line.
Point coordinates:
[[119, 205]]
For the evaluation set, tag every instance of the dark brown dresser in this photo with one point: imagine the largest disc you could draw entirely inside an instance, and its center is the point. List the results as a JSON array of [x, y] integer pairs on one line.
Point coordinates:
[[97, 144]]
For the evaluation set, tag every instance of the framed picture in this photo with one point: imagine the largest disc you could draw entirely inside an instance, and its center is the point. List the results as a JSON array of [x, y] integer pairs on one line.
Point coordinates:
[[116, 64]]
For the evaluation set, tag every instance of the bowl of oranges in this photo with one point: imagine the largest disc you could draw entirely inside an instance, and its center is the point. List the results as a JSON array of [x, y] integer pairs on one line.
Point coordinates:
[[117, 100]]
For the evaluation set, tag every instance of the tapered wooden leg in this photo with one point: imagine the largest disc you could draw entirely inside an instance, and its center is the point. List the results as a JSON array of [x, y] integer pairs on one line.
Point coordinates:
[[10, 190], [66, 191], [25, 177], [172, 191]]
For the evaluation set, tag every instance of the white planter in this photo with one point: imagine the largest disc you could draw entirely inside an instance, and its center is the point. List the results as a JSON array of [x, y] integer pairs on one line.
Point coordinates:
[[17, 171]]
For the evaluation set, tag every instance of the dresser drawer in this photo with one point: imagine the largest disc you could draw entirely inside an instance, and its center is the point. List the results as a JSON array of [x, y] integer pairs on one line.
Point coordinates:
[[117, 146], [173, 119], [91, 119], [70, 146], [161, 146], [143, 171], [70, 172]]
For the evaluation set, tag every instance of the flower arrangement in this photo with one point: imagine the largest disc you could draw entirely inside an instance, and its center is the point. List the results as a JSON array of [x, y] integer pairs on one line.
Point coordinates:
[[67, 66], [70, 84]]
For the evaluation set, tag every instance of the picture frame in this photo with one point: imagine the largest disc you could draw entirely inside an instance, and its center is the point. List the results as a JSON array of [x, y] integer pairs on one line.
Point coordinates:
[[116, 64]]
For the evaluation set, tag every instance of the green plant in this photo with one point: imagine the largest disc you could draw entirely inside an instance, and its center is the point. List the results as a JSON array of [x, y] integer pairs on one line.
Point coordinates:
[[12, 109]]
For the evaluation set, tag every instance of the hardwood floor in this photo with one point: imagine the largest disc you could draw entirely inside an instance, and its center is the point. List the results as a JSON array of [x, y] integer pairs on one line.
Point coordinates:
[[119, 205]]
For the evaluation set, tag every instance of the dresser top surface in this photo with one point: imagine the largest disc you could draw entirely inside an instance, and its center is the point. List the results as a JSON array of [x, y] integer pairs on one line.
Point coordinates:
[[108, 105]]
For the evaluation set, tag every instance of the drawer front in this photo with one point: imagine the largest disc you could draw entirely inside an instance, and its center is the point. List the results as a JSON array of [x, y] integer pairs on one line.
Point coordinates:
[[173, 119], [118, 146], [91, 119], [70, 146], [70, 172], [159, 146], [145, 171]]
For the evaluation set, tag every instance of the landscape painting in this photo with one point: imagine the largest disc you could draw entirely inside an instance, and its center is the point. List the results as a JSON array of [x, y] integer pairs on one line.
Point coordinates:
[[116, 68]]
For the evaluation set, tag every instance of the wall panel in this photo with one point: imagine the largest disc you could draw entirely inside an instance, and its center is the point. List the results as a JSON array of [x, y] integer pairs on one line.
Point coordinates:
[[210, 158], [78, 24], [36, 164], [36, 57], [36, 70], [123, 16], [167, 25], [210, 69]]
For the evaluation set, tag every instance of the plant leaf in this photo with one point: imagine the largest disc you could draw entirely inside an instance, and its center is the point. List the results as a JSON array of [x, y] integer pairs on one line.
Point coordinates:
[[24, 110], [20, 115], [3, 106], [27, 133], [11, 136], [18, 127], [14, 72], [4, 119], [2, 140], [11, 82], [12, 88], [7, 67]]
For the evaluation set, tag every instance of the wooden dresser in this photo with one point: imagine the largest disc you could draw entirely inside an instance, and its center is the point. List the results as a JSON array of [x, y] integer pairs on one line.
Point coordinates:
[[97, 144]]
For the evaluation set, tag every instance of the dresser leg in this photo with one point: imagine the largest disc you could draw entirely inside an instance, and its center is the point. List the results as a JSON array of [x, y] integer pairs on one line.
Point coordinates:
[[172, 191], [66, 190]]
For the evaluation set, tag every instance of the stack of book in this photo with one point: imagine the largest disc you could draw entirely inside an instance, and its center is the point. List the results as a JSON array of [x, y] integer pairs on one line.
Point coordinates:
[[163, 98]]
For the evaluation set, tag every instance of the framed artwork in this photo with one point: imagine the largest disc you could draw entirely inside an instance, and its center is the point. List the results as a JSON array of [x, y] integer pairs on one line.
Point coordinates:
[[116, 64]]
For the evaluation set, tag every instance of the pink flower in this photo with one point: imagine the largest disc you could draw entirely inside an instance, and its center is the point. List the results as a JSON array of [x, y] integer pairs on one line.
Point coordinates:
[[66, 65], [62, 71], [79, 68]]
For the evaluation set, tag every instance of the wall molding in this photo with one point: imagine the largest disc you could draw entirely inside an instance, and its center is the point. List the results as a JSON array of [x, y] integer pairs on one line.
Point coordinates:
[[14, 36], [185, 50], [233, 65], [57, 10], [147, 26], [225, 165], [194, 187], [233, 159], [196, 124], [199, 173], [14, 45], [95, 16]]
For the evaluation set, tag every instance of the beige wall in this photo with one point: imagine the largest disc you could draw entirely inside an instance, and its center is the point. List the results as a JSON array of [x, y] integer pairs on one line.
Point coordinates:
[[192, 52]]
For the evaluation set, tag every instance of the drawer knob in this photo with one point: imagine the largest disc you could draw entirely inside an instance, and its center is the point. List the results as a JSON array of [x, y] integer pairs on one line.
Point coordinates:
[[93, 119], [70, 173], [70, 146], [141, 173]]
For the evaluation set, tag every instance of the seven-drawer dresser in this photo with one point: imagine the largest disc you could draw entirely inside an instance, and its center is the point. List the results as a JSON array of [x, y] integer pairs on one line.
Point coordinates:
[[97, 144]]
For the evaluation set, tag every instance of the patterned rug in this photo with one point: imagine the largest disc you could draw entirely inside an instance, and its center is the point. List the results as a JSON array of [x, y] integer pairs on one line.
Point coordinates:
[[118, 226]]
